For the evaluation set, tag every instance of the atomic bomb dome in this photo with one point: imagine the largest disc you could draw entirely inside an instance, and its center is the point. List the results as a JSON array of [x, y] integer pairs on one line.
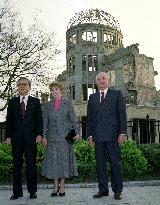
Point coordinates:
[[94, 16], [94, 43]]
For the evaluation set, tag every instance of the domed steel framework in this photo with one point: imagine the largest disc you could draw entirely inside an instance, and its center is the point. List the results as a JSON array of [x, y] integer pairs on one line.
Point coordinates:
[[94, 16]]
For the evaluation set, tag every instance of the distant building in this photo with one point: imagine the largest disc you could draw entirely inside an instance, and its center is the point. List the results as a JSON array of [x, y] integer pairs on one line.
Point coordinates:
[[94, 43]]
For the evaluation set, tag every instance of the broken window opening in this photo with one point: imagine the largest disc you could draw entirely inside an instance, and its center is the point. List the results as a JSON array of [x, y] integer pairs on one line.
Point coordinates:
[[84, 62], [84, 36], [84, 92], [95, 62], [73, 65], [73, 39], [92, 88], [89, 36], [113, 40], [69, 64], [105, 37], [92, 63], [73, 92], [94, 36], [109, 38]]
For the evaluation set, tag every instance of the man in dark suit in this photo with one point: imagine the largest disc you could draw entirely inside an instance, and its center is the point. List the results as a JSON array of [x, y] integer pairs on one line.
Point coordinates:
[[24, 131], [106, 126]]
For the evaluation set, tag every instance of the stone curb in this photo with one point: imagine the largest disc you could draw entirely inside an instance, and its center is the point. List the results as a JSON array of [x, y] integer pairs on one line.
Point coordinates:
[[89, 185]]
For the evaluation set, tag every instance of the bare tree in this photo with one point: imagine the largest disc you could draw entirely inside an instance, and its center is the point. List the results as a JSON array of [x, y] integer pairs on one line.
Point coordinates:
[[28, 53]]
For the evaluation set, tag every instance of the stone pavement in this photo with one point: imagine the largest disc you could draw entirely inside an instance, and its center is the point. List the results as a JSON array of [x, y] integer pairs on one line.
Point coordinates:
[[134, 193]]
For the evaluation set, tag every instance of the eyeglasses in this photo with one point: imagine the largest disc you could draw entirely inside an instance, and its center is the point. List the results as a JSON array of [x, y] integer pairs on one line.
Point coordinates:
[[22, 84]]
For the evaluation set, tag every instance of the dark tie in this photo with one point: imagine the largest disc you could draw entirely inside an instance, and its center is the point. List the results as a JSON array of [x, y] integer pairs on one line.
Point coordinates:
[[23, 107], [102, 96]]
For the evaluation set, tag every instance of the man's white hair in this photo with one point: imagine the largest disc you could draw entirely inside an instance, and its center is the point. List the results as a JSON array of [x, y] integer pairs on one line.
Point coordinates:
[[102, 74]]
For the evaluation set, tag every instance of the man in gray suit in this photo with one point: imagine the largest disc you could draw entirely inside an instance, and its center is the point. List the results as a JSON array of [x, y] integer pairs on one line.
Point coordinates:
[[106, 127]]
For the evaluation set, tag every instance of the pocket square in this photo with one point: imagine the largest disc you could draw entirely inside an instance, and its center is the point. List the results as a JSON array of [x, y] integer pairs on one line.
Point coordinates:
[[71, 134]]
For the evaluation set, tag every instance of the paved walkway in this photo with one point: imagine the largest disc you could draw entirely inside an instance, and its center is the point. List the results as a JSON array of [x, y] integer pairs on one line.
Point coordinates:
[[134, 193]]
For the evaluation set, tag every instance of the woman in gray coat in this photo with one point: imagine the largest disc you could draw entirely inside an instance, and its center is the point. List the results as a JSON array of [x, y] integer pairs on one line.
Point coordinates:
[[58, 119]]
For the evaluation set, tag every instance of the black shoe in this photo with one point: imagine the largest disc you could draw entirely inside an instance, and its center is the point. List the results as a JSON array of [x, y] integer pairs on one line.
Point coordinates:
[[62, 194], [13, 197], [54, 194], [100, 194], [33, 195], [118, 195]]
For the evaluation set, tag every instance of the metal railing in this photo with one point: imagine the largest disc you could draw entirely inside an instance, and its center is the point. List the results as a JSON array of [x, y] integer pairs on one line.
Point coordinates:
[[143, 131]]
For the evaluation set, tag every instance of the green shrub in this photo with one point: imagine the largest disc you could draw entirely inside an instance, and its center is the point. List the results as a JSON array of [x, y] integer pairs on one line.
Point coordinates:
[[152, 154], [40, 153], [39, 160], [86, 163], [5, 162], [133, 161]]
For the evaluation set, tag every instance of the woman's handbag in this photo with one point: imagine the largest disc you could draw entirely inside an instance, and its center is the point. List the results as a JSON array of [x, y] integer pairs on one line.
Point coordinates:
[[71, 134]]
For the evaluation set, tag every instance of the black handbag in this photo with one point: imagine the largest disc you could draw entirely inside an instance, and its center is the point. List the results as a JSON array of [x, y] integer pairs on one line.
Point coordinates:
[[71, 134]]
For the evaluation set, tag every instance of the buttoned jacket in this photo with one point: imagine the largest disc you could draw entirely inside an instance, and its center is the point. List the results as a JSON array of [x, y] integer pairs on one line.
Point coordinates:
[[107, 120], [56, 125]]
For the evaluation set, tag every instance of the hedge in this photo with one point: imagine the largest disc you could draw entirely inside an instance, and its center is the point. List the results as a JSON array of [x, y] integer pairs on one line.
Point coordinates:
[[137, 160], [152, 154], [134, 162]]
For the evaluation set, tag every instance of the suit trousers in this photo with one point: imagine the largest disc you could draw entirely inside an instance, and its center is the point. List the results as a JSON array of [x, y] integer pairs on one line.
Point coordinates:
[[109, 151], [29, 152]]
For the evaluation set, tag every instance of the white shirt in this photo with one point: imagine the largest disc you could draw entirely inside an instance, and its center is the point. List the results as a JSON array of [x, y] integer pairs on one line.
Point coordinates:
[[105, 92], [25, 100]]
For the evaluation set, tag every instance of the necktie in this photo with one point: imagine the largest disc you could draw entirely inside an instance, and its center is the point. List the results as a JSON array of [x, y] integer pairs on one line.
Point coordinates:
[[23, 107], [102, 96]]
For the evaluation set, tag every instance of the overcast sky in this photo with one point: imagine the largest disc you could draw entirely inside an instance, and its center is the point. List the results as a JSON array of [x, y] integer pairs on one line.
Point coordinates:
[[139, 20]]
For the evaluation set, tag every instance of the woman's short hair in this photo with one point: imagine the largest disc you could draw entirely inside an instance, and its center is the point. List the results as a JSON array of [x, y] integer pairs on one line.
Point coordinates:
[[56, 84]]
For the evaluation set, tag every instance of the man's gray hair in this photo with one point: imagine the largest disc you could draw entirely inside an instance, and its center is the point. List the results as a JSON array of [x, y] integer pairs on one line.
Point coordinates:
[[102, 74], [24, 78]]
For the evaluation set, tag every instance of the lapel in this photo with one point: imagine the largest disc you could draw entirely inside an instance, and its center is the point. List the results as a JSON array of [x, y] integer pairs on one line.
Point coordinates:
[[61, 108], [106, 103], [29, 104], [18, 105], [63, 102], [51, 107], [107, 100], [97, 106], [97, 99], [107, 97]]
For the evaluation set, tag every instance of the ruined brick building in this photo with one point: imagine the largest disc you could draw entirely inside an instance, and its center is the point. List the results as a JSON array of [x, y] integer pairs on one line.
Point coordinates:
[[94, 43]]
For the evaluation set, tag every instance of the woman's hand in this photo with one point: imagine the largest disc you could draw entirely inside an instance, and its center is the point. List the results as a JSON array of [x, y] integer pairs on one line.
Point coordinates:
[[44, 141], [77, 138]]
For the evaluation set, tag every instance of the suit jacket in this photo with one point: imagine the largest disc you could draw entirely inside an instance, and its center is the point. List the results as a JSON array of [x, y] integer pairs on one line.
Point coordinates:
[[27, 129], [56, 125], [105, 121]]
